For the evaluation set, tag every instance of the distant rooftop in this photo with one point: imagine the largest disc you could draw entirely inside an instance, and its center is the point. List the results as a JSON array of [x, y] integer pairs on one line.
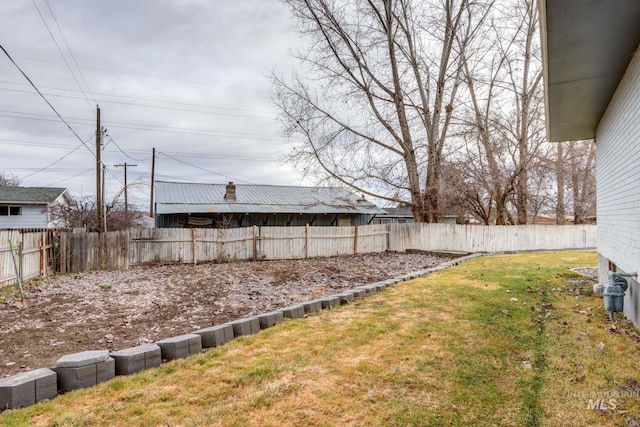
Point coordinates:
[[399, 212], [176, 197], [29, 195]]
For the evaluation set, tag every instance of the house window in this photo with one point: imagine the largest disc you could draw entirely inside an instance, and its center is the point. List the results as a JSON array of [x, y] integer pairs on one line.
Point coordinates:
[[10, 210]]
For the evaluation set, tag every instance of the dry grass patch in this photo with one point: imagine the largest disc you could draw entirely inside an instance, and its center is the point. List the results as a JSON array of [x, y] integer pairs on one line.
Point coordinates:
[[453, 348]]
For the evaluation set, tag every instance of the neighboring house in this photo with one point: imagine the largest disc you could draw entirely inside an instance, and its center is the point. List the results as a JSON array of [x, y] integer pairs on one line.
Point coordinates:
[[592, 90], [394, 216], [404, 216], [229, 206], [28, 207], [551, 220]]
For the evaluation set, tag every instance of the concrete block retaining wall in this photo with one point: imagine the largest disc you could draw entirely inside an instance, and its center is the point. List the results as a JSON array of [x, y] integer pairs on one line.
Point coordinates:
[[88, 368]]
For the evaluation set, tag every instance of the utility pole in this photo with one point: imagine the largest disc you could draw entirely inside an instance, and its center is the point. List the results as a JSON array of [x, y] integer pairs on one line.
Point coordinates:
[[98, 173], [104, 205], [126, 197], [153, 177]]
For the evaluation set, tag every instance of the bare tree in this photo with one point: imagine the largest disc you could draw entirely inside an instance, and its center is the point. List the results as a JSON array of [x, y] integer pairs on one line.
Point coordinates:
[[8, 180], [581, 159], [561, 212], [375, 109], [504, 111], [542, 185], [525, 82], [467, 190], [82, 214]]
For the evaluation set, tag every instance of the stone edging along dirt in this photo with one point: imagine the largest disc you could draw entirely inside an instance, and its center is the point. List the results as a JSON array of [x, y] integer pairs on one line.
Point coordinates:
[[88, 368]]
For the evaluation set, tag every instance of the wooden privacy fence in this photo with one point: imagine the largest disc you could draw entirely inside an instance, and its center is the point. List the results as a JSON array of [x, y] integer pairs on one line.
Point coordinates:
[[93, 251], [79, 251], [33, 253], [473, 238], [253, 243]]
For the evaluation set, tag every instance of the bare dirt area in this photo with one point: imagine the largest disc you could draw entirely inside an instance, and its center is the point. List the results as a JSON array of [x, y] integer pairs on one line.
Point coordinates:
[[119, 309]]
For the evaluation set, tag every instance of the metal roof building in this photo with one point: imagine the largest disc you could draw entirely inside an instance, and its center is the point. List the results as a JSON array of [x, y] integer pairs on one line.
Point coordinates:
[[219, 205]]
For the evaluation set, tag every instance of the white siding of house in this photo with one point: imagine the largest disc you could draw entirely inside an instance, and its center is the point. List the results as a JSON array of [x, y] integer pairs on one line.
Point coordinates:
[[618, 184], [32, 217]]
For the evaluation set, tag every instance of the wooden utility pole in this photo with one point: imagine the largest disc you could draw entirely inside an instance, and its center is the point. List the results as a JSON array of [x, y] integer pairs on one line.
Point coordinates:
[[98, 173], [103, 208], [153, 176], [126, 197]]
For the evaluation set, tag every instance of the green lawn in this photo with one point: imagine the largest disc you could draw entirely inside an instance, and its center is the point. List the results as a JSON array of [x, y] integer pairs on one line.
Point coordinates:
[[496, 341]]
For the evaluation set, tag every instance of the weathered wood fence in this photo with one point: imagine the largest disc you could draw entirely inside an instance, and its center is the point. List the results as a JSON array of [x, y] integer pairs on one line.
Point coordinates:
[[473, 238], [253, 243], [72, 252], [33, 253], [93, 251]]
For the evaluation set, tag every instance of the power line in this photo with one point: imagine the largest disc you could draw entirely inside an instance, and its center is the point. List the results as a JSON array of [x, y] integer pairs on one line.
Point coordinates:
[[34, 143], [122, 151], [45, 99], [180, 154], [73, 176], [142, 127], [102, 101], [223, 156], [195, 82], [139, 98], [60, 51], [203, 169], [60, 159], [70, 51], [61, 169]]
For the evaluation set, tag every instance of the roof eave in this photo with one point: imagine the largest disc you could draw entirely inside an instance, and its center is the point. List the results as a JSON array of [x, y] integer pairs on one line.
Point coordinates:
[[587, 48]]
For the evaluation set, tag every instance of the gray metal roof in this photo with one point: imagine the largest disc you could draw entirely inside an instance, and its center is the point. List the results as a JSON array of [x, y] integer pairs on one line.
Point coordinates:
[[176, 197], [29, 195], [406, 213], [398, 213], [587, 46]]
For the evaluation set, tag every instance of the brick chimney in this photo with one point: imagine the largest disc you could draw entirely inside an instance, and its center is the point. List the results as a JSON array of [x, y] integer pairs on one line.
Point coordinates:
[[230, 194]]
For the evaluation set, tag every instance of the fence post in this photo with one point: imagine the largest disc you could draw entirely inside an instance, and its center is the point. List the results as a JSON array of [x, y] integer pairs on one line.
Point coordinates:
[[194, 246], [43, 254], [306, 241], [355, 240], [255, 242], [62, 259], [20, 261]]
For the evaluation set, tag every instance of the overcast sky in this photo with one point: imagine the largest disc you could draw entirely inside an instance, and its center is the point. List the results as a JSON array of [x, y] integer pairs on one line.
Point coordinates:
[[188, 77]]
